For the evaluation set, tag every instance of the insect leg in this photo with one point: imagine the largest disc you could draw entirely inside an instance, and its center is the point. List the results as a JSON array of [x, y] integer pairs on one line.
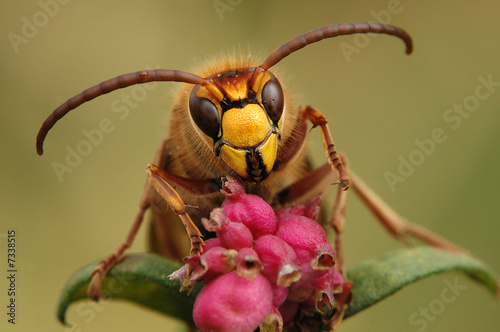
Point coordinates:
[[396, 224], [319, 119], [106, 264], [336, 220], [198, 195], [167, 192]]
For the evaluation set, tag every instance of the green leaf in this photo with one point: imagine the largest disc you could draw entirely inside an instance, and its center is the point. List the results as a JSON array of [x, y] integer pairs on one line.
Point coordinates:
[[142, 279], [378, 278], [139, 278]]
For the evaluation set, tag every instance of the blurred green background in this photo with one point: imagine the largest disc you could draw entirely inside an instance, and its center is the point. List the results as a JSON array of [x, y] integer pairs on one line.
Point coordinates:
[[378, 102]]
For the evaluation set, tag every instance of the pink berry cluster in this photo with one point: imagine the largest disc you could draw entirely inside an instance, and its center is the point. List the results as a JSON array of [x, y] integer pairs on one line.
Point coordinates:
[[263, 266]]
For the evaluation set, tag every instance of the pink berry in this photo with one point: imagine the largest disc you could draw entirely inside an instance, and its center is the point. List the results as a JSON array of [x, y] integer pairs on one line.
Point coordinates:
[[213, 262], [251, 210], [310, 209], [235, 236], [303, 289], [304, 235], [315, 255], [309, 241], [232, 235], [210, 243], [278, 259], [233, 303], [280, 294]]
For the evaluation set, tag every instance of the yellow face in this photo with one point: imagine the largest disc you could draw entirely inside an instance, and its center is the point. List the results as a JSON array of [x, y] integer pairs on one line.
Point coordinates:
[[240, 119]]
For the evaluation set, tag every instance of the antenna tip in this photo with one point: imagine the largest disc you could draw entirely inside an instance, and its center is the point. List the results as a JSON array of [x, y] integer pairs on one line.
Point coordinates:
[[409, 45], [39, 147]]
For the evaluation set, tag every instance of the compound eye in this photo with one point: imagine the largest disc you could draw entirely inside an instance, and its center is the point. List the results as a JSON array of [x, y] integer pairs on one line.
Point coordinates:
[[205, 114], [273, 99]]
